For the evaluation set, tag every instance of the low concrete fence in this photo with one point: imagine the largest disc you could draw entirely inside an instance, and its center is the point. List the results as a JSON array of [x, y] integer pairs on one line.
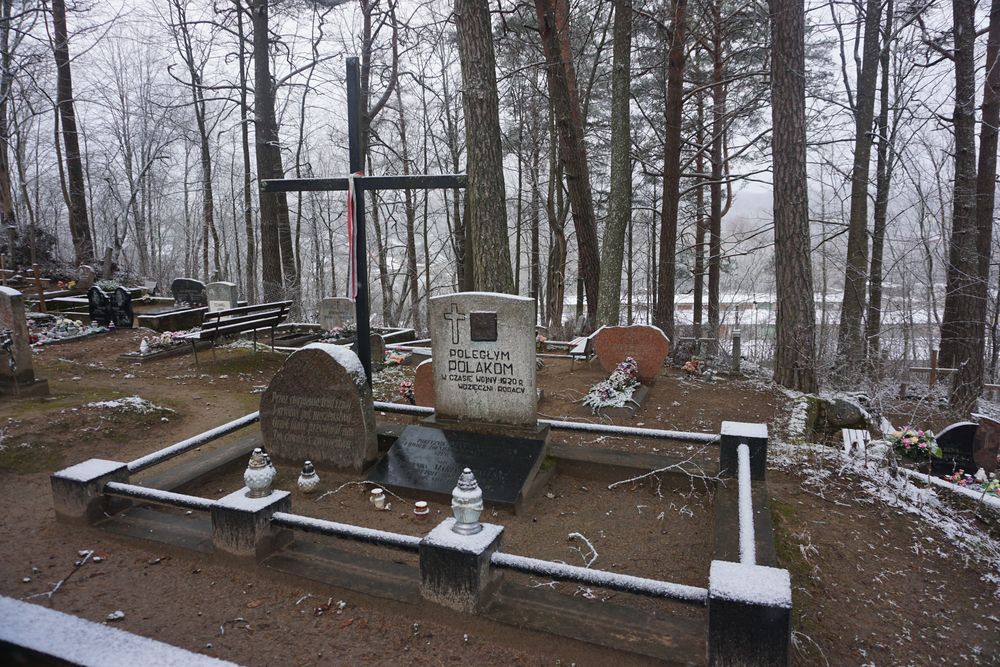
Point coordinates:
[[749, 605]]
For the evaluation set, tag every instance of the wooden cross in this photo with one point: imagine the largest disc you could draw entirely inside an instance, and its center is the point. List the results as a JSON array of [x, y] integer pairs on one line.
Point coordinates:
[[360, 184]]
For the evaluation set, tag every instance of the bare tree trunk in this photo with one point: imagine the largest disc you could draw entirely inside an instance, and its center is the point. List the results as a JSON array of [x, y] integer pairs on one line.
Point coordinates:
[[850, 350], [673, 109], [79, 226], [555, 281], [962, 328], [485, 195], [251, 275], [718, 168], [7, 217], [620, 203], [411, 219], [883, 178], [794, 363], [700, 223], [553, 21]]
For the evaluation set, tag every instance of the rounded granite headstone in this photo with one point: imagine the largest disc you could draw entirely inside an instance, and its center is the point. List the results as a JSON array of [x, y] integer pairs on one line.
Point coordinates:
[[423, 383], [646, 344], [318, 407]]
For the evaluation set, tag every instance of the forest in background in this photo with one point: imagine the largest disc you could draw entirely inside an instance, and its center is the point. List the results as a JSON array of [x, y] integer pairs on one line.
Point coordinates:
[[636, 147]]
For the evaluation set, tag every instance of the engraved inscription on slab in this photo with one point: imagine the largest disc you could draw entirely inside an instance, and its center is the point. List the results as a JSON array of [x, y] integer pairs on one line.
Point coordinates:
[[431, 459], [315, 408], [484, 350]]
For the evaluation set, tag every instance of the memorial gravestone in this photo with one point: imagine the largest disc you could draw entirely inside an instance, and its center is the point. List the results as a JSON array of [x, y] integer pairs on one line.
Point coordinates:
[[956, 443], [105, 310], [646, 344], [423, 384], [986, 445], [17, 373], [484, 398], [85, 277], [336, 313], [190, 292], [485, 348], [318, 407], [221, 296]]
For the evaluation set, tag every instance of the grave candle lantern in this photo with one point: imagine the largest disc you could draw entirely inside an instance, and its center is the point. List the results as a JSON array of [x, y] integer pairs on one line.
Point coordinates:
[[258, 475], [377, 498], [308, 480], [467, 504], [421, 511]]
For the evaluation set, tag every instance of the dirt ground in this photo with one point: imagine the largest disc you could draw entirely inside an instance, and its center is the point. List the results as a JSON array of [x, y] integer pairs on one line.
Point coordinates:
[[865, 590]]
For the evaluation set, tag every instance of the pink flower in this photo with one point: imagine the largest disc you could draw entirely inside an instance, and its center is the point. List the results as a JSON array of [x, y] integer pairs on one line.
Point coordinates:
[[920, 433]]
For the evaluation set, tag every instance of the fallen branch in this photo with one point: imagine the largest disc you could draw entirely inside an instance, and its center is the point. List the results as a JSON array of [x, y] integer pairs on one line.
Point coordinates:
[[593, 552], [85, 556], [360, 483]]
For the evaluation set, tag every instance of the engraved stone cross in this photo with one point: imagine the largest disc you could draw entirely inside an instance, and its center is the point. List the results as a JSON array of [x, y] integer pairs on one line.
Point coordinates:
[[454, 316]]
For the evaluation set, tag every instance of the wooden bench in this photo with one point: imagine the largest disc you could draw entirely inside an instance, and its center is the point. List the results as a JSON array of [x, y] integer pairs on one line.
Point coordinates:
[[239, 320]]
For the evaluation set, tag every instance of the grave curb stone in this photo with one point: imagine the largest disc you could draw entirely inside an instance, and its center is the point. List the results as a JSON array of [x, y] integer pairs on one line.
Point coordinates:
[[455, 569], [732, 435], [78, 491], [241, 526]]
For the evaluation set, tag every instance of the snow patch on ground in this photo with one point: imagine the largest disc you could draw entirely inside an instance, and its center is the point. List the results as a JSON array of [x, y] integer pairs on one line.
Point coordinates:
[[128, 404], [876, 483]]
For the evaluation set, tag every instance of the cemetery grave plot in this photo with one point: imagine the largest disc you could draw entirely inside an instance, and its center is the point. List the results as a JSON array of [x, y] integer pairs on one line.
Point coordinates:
[[633, 529], [860, 588]]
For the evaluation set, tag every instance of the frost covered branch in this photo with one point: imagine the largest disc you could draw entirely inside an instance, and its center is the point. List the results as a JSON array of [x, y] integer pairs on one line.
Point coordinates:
[[588, 559]]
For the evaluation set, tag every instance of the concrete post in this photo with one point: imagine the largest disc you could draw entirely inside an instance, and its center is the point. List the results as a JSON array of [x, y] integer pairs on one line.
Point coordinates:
[[736, 352], [749, 615], [241, 526], [78, 491], [735, 433], [455, 569]]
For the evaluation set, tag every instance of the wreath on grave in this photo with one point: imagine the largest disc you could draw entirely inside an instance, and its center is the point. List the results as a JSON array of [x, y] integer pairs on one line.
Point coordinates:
[[617, 390], [911, 443]]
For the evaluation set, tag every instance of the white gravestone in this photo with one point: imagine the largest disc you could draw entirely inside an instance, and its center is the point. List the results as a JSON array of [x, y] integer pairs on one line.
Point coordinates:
[[221, 296], [336, 312], [17, 374], [484, 358]]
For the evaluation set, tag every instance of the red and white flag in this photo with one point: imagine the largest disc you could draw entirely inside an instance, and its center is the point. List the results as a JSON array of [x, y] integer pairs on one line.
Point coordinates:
[[352, 278]]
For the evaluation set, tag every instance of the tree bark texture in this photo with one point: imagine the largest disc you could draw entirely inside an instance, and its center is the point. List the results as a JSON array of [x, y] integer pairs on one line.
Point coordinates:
[[962, 328], [620, 203], [79, 227], [251, 266], [673, 108], [883, 178], [794, 363], [277, 256], [850, 347], [553, 22], [485, 195]]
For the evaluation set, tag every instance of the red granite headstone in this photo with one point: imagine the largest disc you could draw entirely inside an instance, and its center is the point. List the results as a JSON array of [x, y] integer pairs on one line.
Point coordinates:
[[986, 445], [423, 384], [646, 344]]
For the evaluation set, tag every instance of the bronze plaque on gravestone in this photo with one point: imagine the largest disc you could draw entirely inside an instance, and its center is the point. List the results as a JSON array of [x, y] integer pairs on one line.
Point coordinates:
[[483, 327]]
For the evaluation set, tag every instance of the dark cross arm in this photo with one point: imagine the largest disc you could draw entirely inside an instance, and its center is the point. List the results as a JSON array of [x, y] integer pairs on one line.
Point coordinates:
[[416, 182]]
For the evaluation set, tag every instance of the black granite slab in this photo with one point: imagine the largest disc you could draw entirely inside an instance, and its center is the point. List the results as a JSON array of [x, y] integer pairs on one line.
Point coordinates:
[[956, 443], [431, 459]]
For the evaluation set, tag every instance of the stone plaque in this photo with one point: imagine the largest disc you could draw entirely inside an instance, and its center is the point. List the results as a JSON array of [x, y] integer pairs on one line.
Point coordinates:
[[431, 459], [646, 344], [318, 407], [189, 291], [423, 383], [99, 307], [221, 296], [986, 445], [18, 351], [486, 381], [336, 312], [956, 443]]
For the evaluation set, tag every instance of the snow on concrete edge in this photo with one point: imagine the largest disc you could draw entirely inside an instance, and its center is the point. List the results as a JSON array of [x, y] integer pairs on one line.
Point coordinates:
[[443, 536], [84, 642], [744, 429], [750, 584], [89, 470]]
